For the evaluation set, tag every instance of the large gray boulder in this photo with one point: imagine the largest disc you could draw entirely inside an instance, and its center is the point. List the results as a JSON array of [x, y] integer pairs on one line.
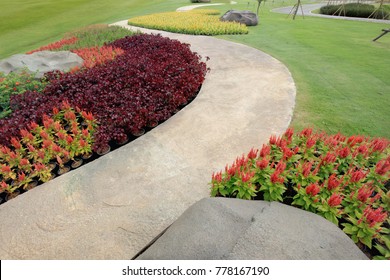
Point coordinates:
[[245, 17], [223, 228], [41, 62]]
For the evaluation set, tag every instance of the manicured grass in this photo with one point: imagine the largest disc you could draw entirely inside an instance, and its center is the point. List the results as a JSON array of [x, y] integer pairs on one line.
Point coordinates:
[[342, 77], [29, 24]]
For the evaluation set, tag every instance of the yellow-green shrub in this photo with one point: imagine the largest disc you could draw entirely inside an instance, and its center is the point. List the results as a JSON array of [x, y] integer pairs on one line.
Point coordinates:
[[195, 22]]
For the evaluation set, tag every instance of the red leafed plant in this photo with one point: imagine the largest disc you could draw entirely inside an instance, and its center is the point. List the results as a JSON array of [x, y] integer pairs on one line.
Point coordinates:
[[142, 87], [344, 179]]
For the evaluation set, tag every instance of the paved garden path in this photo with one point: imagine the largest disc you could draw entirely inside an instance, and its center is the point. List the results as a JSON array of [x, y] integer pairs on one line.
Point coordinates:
[[308, 8], [114, 206]]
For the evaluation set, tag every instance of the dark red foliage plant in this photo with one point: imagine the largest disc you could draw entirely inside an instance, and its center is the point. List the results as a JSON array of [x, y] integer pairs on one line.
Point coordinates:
[[141, 87]]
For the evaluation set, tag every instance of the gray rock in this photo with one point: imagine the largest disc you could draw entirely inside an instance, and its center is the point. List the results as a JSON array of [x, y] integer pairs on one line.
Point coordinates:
[[221, 228], [41, 62], [245, 17]]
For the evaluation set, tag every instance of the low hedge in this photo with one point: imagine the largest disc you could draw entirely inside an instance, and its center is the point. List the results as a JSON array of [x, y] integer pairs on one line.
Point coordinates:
[[354, 10]]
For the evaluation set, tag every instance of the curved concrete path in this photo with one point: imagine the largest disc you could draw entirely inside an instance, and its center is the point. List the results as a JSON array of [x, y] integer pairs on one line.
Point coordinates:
[[308, 8], [191, 7], [114, 206]]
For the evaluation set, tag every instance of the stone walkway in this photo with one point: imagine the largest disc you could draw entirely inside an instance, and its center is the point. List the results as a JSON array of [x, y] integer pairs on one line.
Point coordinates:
[[308, 8], [114, 206]]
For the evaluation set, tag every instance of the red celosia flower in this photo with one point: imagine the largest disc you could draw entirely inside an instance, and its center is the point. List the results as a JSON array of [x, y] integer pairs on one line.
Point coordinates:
[[21, 177], [333, 182], [217, 177], [33, 125], [69, 139], [379, 145], [289, 133], [383, 166], [310, 142], [3, 186], [24, 162], [273, 140], [5, 168], [246, 176], [16, 143], [44, 135], [31, 148], [364, 193], [46, 144], [312, 189], [334, 200], [306, 168], [39, 166], [56, 45], [82, 143], [343, 153], [265, 150], [287, 153], [329, 158], [252, 153], [87, 116], [306, 132], [276, 179], [280, 167], [61, 135], [357, 176], [262, 163], [372, 216], [70, 115]]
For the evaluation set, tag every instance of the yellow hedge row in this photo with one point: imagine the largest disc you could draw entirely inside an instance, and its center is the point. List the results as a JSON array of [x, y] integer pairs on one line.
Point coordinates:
[[195, 22]]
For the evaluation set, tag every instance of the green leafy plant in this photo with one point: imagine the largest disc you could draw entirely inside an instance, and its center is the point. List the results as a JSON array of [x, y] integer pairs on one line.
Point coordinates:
[[17, 83], [340, 178]]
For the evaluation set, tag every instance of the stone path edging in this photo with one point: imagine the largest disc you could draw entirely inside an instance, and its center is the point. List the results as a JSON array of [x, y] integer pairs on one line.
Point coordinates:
[[308, 8], [114, 206]]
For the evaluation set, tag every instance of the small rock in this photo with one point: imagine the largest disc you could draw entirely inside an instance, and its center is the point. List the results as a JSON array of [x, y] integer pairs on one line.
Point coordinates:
[[41, 62], [245, 17]]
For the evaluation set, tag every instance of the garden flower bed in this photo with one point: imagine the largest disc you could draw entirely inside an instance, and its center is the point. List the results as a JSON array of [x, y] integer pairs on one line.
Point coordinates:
[[344, 179], [195, 22], [142, 82]]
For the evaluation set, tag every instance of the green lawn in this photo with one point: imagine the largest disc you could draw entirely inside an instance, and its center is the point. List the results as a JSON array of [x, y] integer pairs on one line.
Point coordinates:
[[28, 24], [342, 77]]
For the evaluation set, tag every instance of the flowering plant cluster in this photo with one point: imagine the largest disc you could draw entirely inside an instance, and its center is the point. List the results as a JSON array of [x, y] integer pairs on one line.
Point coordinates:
[[142, 87], [97, 55], [29, 158], [56, 45], [17, 83], [195, 22], [344, 179]]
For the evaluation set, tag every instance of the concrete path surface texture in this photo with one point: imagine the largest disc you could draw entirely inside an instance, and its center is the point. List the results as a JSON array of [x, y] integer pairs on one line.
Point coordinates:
[[114, 206]]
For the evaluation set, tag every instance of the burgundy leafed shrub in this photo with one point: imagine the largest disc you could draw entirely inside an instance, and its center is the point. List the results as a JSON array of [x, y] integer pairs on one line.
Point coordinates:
[[143, 86]]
